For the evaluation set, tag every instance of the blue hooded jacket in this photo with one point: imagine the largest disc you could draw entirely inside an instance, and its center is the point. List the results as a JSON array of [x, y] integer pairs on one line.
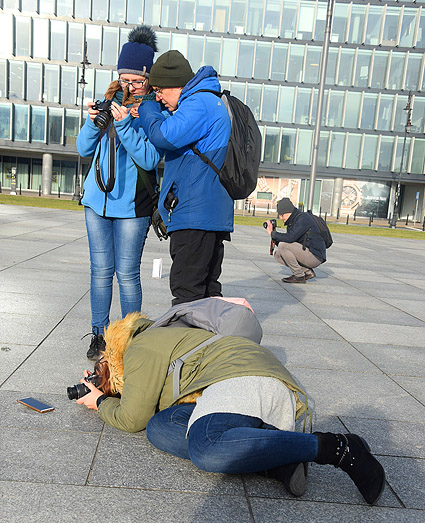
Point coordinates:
[[200, 119]]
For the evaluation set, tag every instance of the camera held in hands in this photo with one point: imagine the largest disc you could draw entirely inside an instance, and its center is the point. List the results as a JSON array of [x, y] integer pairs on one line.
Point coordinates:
[[104, 117], [273, 222], [78, 391]]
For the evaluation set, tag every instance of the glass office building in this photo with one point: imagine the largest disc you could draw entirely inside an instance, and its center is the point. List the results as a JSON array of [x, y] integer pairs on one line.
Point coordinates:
[[268, 53]]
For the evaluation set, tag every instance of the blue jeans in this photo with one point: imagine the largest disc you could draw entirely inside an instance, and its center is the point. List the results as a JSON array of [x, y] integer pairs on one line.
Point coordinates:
[[116, 246], [228, 443]]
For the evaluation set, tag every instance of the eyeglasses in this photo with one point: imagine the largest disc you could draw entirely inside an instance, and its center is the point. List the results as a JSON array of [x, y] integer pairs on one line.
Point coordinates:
[[158, 90], [136, 84]]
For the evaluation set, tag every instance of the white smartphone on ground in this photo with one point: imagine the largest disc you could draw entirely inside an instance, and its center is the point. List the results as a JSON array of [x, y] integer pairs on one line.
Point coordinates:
[[36, 405]]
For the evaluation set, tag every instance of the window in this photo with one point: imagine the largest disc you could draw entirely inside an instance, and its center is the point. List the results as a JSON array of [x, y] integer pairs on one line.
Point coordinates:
[[272, 18], [336, 105], [110, 46], [135, 11], [169, 13], [379, 69], [75, 42], [369, 151], [255, 17], [57, 40], [179, 42], [302, 109], [361, 77], [93, 38], [82, 7], [400, 115], [323, 148], [237, 16], [68, 83], [385, 112], [289, 18], [55, 126], [339, 23], [268, 113], [253, 99], [295, 66], [352, 110], [33, 81], [353, 151], [5, 121], [319, 31], [418, 157], [38, 124], [22, 36], [64, 8], [368, 111], [385, 153], [99, 10], [203, 15], [40, 38], [220, 16], [72, 127], [228, 57], [398, 164], [116, 10], [29, 5], [355, 35], [262, 60], [238, 90], [186, 14], [212, 52], [311, 75], [51, 83], [408, 27], [152, 12], [396, 71], [373, 27], [390, 26], [286, 104], [20, 123], [102, 81], [3, 79], [337, 149], [331, 66], [271, 145], [304, 147], [345, 73], [16, 80], [280, 53], [306, 20], [246, 59], [287, 147], [413, 71], [195, 51], [418, 113]]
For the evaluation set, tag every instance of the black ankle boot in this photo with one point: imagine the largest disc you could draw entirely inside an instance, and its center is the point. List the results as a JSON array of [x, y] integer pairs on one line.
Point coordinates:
[[293, 476], [351, 453], [97, 345]]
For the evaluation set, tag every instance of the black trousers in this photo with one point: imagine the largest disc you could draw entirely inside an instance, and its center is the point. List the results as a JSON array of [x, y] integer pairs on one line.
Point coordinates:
[[197, 257]]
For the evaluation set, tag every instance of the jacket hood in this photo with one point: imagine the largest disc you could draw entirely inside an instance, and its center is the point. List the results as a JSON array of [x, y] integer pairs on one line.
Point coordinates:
[[205, 78], [118, 337]]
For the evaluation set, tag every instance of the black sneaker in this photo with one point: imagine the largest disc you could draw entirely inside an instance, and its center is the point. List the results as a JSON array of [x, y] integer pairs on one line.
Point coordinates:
[[97, 345]]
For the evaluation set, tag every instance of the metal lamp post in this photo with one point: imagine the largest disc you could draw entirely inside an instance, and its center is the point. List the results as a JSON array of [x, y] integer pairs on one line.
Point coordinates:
[[82, 83], [407, 128]]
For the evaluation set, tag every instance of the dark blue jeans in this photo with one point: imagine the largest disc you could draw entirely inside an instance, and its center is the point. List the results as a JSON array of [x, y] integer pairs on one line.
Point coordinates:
[[228, 443]]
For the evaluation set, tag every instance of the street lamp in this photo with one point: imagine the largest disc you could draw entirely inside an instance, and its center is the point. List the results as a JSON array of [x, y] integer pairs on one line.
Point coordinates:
[[82, 83], [407, 128]]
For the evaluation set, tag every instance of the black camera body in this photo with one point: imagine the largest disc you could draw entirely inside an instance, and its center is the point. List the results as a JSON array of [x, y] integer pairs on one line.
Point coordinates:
[[104, 117], [78, 391], [273, 222]]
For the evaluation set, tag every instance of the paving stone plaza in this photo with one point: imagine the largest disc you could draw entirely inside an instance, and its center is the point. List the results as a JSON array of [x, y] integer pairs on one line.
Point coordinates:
[[354, 338]]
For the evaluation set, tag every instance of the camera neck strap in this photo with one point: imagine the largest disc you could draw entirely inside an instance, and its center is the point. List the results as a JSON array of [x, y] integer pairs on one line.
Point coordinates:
[[112, 163]]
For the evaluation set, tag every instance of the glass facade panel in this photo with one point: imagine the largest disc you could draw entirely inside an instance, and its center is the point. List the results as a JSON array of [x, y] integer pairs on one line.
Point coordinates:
[[353, 151], [55, 126], [255, 17], [57, 40], [88, 91], [72, 119], [186, 14], [40, 46], [212, 52], [20, 122], [253, 99], [51, 83], [203, 15], [245, 59], [110, 46], [295, 65], [38, 124], [302, 109], [152, 12], [421, 32], [339, 23], [36, 173], [16, 80], [418, 158], [3, 82], [373, 27], [272, 18], [271, 144], [280, 54], [5, 121], [311, 75], [337, 149], [195, 51], [369, 151], [355, 33], [221, 16], [286, 104], [345, 73], [23, 173], [336, 106], [33, 81], [64, 8], [400, 115], [99, 10], [390, 26], [399, 164], [116, 10], [135, 11], [75, 42], [102, 81], [269, 103], [319, 31], [408, 27], [47, 6], [385, 153], [68, 83], [169, 13], [304, 147], [361, 78], [163, 42], [396, 71], [287, 147], [179, 42], [418, 113], [22, 36], [306, 20], [413, 70], [331, 66], [228, 57], [289, 19], [237, 16], [93, 39], [368, 110], [28, 5], [82, 7], [385, 112], [379, 69], [262, 60], [323, 148], [238, 90]]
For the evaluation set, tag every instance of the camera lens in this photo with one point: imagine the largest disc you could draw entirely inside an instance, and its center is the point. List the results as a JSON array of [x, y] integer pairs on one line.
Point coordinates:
[[102, 120], [77, 391], [265, 225]]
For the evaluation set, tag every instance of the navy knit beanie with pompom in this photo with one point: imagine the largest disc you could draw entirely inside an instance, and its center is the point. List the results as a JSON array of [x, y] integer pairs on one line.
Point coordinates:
[[136, 55]]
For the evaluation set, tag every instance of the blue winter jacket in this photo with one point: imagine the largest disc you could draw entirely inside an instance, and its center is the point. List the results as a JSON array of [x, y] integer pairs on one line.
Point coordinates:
[[132, 143], [200, 119]]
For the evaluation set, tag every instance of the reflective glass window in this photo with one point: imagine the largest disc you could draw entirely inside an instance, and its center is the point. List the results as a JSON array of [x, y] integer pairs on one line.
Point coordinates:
[[6, 30], [20, 122], [22, 36], [186, 14], [271, 144], [237, 16], [255, 17], [385, 112], [116, 10], [311, 75], [16, 80], [379, 69], [93, 39], [82, 8], [331, 66], [54, 127], [324, 106], [212, 52], [64, 8], [385, 153], [246, 59], [110, 46], [135, 11], [253, 99], [287, 147], [75, 42], [421, 32], [123, 38], [169, 13], [323, 148], [398, 163], [23, 173], [289, 18], [262, 60], [390, 26], [228, 57], [179, 42], [195, 51], [68, 172], [38, 124], [352, 109], [295, 66], [33, 81], [418, 157], [51, 83], [418, 113], [99, 10], [72, 119], [102, 81], [221, 16], [319, 30], [36, 173], [336, 106], [238, 89], [68, 84], [268, 113], [408, 27], [280, 53], [40, 37], [272, 18], [413, 71], [302, 108], [152, 13], [355, 34], [369, 151], [345, 72], [286, 104], [47, 6], [337, 149], [28, 5], [373, 27], [57, 39], [400, 115], [203, 16], [5, 121], [339, 23], [88, 90], [396, 71], [368, 110], [2, 78], [304, 146], [361, 78], [163, 42], [353, 151], [306, 20]]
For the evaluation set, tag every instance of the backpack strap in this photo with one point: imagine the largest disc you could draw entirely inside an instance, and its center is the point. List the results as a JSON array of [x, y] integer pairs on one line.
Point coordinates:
[[112, 163], [176, 365]]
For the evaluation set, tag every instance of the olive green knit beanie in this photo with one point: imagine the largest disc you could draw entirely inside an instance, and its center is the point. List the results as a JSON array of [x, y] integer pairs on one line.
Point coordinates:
[[171, 70]]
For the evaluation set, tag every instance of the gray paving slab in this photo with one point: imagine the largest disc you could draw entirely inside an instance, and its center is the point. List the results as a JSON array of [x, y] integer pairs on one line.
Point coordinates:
[[353, 337]]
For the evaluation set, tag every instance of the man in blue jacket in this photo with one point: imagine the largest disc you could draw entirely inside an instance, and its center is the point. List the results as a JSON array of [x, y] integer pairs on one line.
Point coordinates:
[[195, 207], [302, 247]]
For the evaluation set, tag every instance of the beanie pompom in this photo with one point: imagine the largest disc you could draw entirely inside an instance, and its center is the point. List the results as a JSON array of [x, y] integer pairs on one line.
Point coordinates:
[[143, 34], [137, 54]]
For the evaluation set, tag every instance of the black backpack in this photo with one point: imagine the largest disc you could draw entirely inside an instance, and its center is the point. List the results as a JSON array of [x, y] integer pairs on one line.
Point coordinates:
[[325, 233], [240, 168]]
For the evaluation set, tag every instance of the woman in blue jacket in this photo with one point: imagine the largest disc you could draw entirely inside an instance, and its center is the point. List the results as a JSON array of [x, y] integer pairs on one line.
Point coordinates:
[[117, 202]]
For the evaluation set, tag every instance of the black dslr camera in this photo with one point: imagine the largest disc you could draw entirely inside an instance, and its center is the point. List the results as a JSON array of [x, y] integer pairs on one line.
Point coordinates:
[[274, 225], [104, 117], [78, 391]]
